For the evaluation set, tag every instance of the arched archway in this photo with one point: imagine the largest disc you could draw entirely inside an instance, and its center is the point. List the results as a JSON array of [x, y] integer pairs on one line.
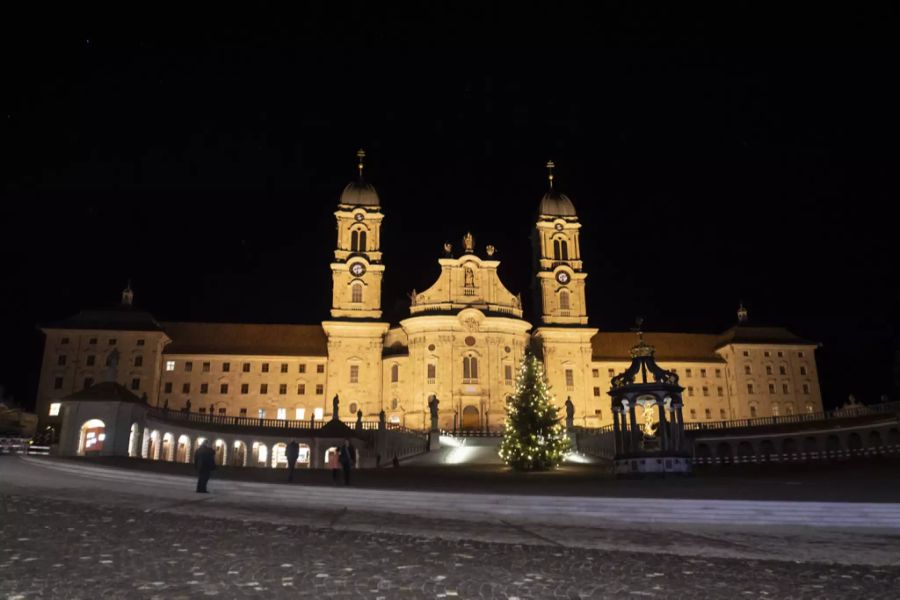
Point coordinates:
[[260, 454], [854, 442], [168, 447], [723, 451], [304, 457], [221, 449], [874, 439], [153, 448], [279, 456], [832, 443], [789, 446], [239, 454], [703, 451], [183, 449], [470, 418], [745, 449], [91, 437], [810, 444], [134, 441], [766, 449]]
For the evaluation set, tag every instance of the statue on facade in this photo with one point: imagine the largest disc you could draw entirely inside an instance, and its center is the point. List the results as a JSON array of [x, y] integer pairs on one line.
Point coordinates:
[[570, 413], [469, 243], [359, 420], [335, 402], [412, 297], [382, 418], [490, 250], [448, 250], [470, 277], [433, 407]]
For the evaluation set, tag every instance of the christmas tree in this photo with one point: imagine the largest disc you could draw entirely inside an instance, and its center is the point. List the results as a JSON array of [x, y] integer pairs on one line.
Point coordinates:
[[534, 439]]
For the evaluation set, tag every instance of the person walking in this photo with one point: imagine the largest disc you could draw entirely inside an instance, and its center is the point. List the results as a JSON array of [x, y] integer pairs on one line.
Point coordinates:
[[205, 461], [347, 458], [333, 464], [292, 453]]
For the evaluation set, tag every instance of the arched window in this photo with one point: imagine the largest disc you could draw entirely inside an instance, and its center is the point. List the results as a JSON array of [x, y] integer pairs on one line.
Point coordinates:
[[470, 368], [395, 373], [362, 241], [564, 300], [354, 241], [557, 255], [564, 248], [357, 292]]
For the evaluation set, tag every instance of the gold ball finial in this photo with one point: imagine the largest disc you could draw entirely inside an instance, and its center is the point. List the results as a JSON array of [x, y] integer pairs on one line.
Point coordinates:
[[360, 155], [550, 167]]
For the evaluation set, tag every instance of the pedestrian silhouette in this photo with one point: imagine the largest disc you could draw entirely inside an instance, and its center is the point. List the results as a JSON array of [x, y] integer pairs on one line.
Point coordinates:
[[205, 460], [292, 453], [347, 458], [333, 464], [396, 461]]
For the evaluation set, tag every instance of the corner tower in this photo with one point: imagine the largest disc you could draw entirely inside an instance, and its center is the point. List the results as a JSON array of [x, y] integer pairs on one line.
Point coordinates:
[[560, 279], [357, 270]]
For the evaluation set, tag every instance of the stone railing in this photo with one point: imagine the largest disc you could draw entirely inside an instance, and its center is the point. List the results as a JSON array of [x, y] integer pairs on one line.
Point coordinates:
[[886, 408], [204, 419]]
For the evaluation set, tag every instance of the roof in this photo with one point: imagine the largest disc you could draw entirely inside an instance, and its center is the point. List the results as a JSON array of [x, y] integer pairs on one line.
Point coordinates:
[[120, 318], [360, 193], [246, 339], [743, 334], [107, 391], [688, 347], [555, 204]]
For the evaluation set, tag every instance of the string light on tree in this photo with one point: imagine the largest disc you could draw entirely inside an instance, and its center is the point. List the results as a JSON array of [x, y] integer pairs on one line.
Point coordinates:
[[534, 439]]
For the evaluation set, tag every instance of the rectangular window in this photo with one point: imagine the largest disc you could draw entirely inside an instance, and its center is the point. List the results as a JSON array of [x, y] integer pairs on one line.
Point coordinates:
[[299, 413], [570, 378], [245, 388], [597, 392], [58, 383], [65, 340], [749, 388], [766, 354], [611, 372], [747, 370], [136, 383], [595, 373], [320, 368], [803, 370], [354, 373], [284, 367], [702, 372], [752, 412], [693, 414], [91, 360], [720, 391], [54, 409], [226, 367], [140, 342], [88, 382], [223, 388], [805, 388], [708, 414], [92, 341], [719, 373], [780, 354], [281, 414], [167, 388], [202, 411], [222, 411], [282, 388], [245, 367], [688, 373], [507, 374], [705, 391], [243, 412], [261, 412], [264, 388], [771, 388], [690, 390], [206, 367], [139, 361], [265, 367], [432, 372], [722, 413], [320, 389], [784, 388], [301, 389], [61, 360], [185, 388], [112, 341], [302, 368], [800, 354], [170, 365], [746, 353], [204, 388], [188, 366], [768, 369], [782, 370], [318, 413]]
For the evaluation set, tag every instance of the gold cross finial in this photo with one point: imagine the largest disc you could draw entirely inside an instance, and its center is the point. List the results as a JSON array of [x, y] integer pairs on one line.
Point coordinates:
[[550, 166], [360, 154]]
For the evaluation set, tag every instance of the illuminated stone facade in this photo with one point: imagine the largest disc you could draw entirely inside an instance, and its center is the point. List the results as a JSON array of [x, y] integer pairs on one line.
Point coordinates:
[[462, 342]]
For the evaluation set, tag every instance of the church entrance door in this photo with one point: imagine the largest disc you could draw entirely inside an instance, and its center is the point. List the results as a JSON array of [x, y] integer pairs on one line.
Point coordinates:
[[470, 418]]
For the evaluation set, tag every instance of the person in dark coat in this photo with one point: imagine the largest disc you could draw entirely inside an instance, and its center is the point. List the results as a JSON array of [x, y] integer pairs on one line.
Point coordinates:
[[347, 458], [292, 453], [205, 460]]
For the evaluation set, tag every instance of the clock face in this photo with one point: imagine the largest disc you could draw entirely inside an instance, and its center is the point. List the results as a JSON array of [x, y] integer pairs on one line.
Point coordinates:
[[562, 277], [559, 227], [358, 269], [358, 217]]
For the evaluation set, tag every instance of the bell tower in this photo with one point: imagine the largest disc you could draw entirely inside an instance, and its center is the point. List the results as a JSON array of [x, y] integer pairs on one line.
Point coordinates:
[[357, 269], [560, 279]]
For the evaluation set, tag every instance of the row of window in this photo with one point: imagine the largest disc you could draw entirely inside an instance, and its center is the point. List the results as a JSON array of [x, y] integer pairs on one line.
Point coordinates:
[[89, 381], [687, 372], [785, 388], [245, 388], [93, 341], [782, 370], [91, 359], [206, 367], [470, 372]]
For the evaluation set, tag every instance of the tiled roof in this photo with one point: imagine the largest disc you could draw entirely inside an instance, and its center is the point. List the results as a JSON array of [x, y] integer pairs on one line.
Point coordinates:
[[107, 391], [616, 345], [743, 334], [121, 318], [247, 339]]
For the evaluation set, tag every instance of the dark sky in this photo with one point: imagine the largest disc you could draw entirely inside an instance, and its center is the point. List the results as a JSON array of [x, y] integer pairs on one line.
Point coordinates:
[[710, 158]]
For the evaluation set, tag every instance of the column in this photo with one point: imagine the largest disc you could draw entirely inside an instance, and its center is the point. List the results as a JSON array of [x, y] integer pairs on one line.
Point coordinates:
[[679, 428], [662, 429], [617, 433], [635, 442]]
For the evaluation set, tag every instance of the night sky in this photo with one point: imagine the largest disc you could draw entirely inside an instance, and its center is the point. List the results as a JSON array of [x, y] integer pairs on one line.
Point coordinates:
[[705, 167]]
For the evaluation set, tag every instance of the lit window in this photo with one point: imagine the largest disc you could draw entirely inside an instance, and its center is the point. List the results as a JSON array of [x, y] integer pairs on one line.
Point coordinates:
[[809, 408], [299, 413], [776, 410], [354, 373], [282, 414], [170, 365], [261, 412], [318, 413], [54, 408]]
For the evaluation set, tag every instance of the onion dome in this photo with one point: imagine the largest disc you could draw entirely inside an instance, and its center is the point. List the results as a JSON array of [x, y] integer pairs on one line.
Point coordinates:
[[554, 203], [358, 192]]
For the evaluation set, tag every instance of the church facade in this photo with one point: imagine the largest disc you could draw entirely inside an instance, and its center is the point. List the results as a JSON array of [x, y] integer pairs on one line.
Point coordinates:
[[461, 342]]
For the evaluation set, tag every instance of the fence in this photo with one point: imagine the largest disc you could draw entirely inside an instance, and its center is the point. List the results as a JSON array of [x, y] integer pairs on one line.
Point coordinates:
[[21, 445]]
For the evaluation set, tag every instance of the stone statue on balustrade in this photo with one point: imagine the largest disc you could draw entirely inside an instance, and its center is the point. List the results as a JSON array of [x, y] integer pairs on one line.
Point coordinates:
[[433, 407], [335, 403], [570, 413]]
